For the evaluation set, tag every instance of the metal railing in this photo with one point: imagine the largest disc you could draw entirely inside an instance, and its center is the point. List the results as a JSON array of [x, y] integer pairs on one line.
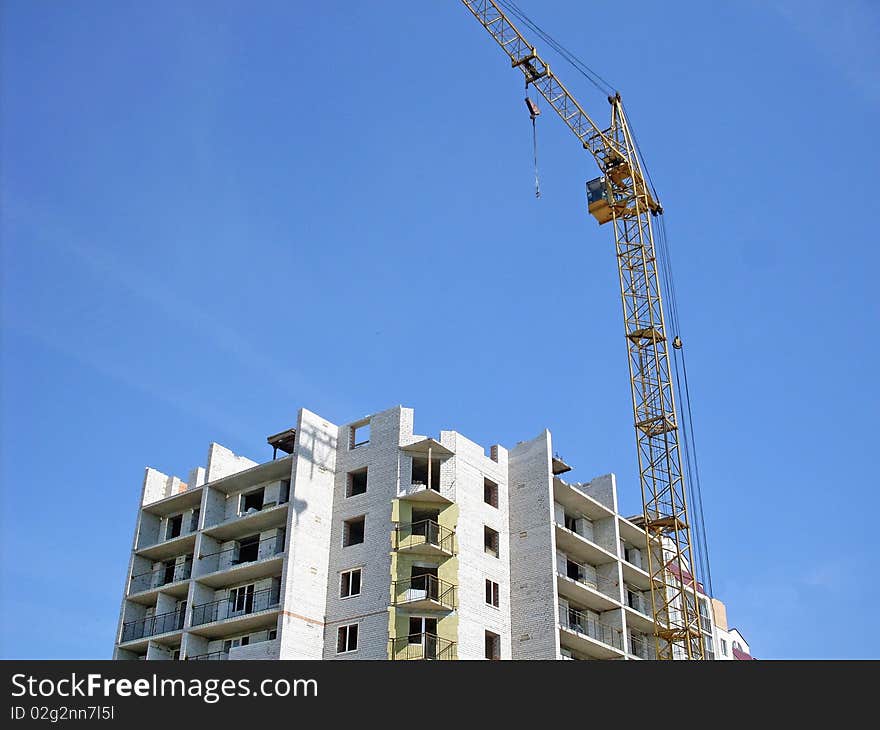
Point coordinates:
[[581, 623], [642, 646], [158, 577], [230, 557], [282, 499], [423, 646], [423, 532], [211, 656], [603, 585], [232, 606], [423, 588], [151, 625]]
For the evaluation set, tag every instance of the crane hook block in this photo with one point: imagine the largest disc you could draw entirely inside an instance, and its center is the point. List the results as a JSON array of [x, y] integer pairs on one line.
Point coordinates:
[[532, 107], [677, 343]]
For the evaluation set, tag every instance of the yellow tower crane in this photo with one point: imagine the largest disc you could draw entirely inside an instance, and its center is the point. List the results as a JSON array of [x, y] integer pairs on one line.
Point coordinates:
[[621, 197]]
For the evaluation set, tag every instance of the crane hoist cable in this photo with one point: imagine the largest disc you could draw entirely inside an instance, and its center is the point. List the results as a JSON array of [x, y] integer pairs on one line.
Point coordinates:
[[534, 111], [694, 483], [594, 78]]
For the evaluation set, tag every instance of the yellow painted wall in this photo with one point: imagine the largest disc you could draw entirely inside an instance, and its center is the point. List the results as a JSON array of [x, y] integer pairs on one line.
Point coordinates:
[[401, 565]]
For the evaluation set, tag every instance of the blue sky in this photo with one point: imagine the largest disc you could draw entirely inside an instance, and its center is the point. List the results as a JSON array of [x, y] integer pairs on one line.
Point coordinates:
[[214, 213]]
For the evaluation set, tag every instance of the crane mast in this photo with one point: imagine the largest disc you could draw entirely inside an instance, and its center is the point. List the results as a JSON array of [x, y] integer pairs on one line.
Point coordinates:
[[622, 197]]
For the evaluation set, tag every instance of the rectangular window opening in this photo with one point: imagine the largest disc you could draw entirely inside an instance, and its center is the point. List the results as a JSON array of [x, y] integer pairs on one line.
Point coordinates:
[[419, 626], [251, 502], [174, 526], [357, 483], [168, 571], [347, 639], [350, 583], [492, 593], [420, 473], [242, 599], [360, 435], [491, 542], [248, 549], [353, 531], [493, 646], [490, 492]]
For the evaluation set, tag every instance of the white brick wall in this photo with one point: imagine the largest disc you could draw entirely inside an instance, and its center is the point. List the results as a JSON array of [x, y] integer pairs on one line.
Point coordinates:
[[222, 463], [382, 458], [475, 616], [534, 614], [309, 522]]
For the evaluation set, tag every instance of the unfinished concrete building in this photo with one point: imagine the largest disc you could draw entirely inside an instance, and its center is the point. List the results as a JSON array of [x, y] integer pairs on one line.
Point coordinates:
[[368, 541]]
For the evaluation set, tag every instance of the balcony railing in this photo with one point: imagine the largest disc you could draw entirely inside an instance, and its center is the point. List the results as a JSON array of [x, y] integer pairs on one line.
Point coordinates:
[[582, 575], [215, 656], [589, 537], [423, 646], [424, 532], [424, 588], [581, 623], [161, 576], [642, 646], [234, 606], [152, 625], [241, 554]]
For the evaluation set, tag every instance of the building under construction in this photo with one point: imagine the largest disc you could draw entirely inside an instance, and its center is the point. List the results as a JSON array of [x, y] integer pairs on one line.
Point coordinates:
[[368, 541]]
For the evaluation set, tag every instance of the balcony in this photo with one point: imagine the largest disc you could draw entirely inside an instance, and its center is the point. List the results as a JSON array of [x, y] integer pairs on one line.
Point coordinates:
[[424, 537], [588, 636], [642, 647], [423, 646], [638, 602], [164, 575], [586, 549], [214, 656], [424, 593], [267, 518], [247, 611], [576, 583], [165, 549], [259, 559], [639, 611], [419, 491], [575, 499], [162, 623]]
